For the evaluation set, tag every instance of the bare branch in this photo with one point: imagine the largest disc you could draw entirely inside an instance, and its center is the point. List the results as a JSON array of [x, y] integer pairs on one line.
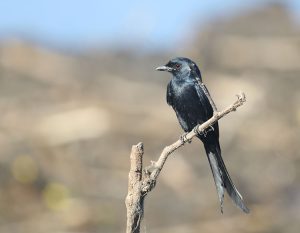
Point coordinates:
[[141, 183], [157, 166], [134, 200]]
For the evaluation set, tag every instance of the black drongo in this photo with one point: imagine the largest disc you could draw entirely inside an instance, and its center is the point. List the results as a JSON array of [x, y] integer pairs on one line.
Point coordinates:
[[192, 107]]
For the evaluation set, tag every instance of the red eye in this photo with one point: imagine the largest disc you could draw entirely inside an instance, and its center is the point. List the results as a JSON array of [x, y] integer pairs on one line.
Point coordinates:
[[177, 66]]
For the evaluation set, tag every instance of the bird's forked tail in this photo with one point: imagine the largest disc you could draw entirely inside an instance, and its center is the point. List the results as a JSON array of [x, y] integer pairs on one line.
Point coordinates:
[[221, 176]]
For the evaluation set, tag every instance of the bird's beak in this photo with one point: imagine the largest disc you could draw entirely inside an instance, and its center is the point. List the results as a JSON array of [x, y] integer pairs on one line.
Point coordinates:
[[164, 68]]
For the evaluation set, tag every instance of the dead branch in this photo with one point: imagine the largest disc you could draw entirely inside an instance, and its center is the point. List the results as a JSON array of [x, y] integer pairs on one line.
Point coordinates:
[[141, 182], [134, 200]]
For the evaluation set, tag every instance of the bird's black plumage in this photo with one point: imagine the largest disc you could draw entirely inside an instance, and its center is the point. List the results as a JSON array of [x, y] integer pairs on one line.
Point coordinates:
[[192, 107]]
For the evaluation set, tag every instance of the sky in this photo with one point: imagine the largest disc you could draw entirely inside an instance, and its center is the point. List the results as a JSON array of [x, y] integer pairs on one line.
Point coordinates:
[[82, 24]]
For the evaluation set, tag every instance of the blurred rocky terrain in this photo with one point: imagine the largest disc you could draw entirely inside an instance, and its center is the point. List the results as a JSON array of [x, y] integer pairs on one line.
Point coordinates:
[[68, 121]]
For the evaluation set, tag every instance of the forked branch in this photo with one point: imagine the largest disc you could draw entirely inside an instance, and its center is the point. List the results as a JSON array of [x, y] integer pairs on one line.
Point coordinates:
[[141, 182]]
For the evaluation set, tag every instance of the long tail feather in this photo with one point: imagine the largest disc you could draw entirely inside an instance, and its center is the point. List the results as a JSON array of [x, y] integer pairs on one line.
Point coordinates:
[[222, 178]]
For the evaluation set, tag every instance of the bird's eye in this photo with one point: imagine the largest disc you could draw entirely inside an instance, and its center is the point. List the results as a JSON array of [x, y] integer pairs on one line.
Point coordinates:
[[177, 66]]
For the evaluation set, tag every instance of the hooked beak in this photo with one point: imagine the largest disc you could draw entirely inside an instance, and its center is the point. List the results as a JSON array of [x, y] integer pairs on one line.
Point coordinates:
[[164, 68]]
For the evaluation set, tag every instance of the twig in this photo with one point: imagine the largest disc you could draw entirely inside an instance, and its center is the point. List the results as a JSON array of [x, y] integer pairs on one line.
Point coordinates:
[[141, 182]]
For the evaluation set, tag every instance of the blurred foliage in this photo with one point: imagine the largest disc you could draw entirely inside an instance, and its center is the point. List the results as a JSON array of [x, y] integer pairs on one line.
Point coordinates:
[[68, 122]]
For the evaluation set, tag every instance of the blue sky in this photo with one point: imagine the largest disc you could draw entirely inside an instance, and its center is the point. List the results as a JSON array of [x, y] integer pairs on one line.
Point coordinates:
[[80, 24]]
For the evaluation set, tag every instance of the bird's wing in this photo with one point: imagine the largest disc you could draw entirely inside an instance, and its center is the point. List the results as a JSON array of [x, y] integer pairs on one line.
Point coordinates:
[[207, 108]]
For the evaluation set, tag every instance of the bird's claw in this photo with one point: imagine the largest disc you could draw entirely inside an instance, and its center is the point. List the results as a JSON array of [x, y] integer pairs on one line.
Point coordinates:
[[210, 128], [205, 131], [184, 139], [199, 132]]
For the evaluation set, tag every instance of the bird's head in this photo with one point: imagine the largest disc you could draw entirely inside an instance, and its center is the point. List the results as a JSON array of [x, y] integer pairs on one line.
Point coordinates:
[[181, 67]]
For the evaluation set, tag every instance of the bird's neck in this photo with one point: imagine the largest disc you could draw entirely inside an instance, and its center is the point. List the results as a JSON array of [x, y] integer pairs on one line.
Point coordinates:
[[183, 79]]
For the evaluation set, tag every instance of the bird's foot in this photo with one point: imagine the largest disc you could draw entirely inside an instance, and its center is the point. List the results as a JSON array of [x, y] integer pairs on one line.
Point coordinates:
[[210, 128], [184, 139], [204, 132], [199, 132]]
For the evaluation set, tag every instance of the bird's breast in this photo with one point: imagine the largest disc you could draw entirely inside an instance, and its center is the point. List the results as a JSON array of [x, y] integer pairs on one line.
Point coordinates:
[[191, 106], [183, 93]]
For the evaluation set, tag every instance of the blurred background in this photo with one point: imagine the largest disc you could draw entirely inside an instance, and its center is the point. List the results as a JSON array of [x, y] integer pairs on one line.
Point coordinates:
[[78, 87]]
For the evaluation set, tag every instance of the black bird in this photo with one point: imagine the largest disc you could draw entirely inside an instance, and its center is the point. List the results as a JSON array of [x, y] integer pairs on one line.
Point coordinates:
[[193, 107]]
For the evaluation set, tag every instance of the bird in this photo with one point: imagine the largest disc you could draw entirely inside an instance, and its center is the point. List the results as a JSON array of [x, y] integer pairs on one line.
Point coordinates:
[[192, 107]]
